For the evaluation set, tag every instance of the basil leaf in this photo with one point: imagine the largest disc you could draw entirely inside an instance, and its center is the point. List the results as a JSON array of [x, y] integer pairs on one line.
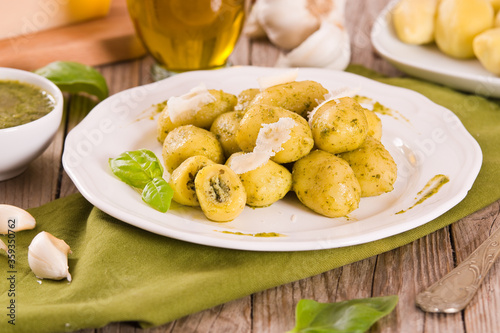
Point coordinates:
[[354, 316], [136, 168], [158, 194], [74, 77]]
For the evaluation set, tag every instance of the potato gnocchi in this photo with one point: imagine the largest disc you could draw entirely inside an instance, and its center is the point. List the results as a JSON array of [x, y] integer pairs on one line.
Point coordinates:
[[329, 154]]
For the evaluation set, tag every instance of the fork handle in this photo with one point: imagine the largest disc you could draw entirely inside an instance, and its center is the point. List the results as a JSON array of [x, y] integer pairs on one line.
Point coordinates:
[[454, 291]]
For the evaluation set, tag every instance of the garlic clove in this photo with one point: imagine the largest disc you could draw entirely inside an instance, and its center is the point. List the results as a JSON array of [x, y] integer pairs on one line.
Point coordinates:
[[328, 47], [3, 246], [48, 257], [336, 14], [287, 23], [15, 219], [253, 28]]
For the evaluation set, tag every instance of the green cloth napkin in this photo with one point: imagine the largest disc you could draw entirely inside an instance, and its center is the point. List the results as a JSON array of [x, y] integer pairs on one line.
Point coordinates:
[[122, 273]]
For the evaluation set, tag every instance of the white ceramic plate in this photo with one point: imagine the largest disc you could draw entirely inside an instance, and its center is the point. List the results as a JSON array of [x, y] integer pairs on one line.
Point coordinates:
[[427, 62], [425, 140]]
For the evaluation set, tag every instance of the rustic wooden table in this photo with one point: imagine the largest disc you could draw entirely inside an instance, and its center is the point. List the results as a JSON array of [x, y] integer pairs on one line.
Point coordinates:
[[404, 271]]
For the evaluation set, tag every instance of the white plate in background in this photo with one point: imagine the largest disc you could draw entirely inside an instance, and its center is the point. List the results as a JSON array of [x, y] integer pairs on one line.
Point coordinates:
[[424, 138], [427, 62]]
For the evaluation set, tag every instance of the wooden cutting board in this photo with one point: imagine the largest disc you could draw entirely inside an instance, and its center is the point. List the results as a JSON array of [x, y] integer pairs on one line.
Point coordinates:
[[96, 42]]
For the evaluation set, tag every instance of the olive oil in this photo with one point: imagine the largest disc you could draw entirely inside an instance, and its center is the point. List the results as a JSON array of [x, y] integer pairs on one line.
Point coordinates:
[[188, 35]]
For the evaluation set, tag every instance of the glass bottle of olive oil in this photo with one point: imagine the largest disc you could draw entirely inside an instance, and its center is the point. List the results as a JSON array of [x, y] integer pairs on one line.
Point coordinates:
[[184, 35]]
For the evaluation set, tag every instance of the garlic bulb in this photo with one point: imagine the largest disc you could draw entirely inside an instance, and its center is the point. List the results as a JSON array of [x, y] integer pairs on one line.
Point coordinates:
[[286, 23], [312, 29], [48, 257], [15, 219], [252, 27], [328, 47]]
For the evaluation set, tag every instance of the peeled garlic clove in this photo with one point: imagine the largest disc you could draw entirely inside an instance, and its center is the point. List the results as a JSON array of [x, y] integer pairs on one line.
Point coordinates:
[[15, 219], [48, 257], [329, 47]]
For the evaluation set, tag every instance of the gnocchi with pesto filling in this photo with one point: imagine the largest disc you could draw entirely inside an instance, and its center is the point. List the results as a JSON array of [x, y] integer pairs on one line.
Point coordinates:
[[182, 180], [186, 141], [298, 145], [339, 125], [266, 184], [225, 128], [326, 184], [220, 192], [373, 166], [327, 151], [199, 115], [300, 97]]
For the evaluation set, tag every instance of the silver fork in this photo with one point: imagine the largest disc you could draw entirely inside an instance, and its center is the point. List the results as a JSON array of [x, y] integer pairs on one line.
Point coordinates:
[[455, 290]]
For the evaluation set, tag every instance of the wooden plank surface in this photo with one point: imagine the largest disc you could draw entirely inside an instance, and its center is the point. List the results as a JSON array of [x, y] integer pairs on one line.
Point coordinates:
[[404, 271]]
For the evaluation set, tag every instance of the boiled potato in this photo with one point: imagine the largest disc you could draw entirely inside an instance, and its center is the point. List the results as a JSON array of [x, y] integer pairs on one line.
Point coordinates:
[[487, 49], [326, 184], [298, 96], [414, 20], [266, 184], [299, 144], [225, 127], [495, 4], [188, 140], [373, 166], [245, 98], [220, 192], [458, 22], [201, 118], [496, 23], [182, 180], [374, 124], [339, 126]]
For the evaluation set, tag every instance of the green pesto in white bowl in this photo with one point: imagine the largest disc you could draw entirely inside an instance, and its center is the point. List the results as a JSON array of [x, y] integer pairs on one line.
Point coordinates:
[[21, 103], [21, 144]]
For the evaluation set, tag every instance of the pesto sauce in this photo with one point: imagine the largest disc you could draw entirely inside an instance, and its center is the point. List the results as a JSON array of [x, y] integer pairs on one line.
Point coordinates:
[[432, 187], [379, 108], [259, 234], [160, 106], [21, 103]]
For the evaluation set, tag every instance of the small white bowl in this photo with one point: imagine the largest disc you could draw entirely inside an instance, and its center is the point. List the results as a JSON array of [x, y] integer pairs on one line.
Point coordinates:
[[19, 145]]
